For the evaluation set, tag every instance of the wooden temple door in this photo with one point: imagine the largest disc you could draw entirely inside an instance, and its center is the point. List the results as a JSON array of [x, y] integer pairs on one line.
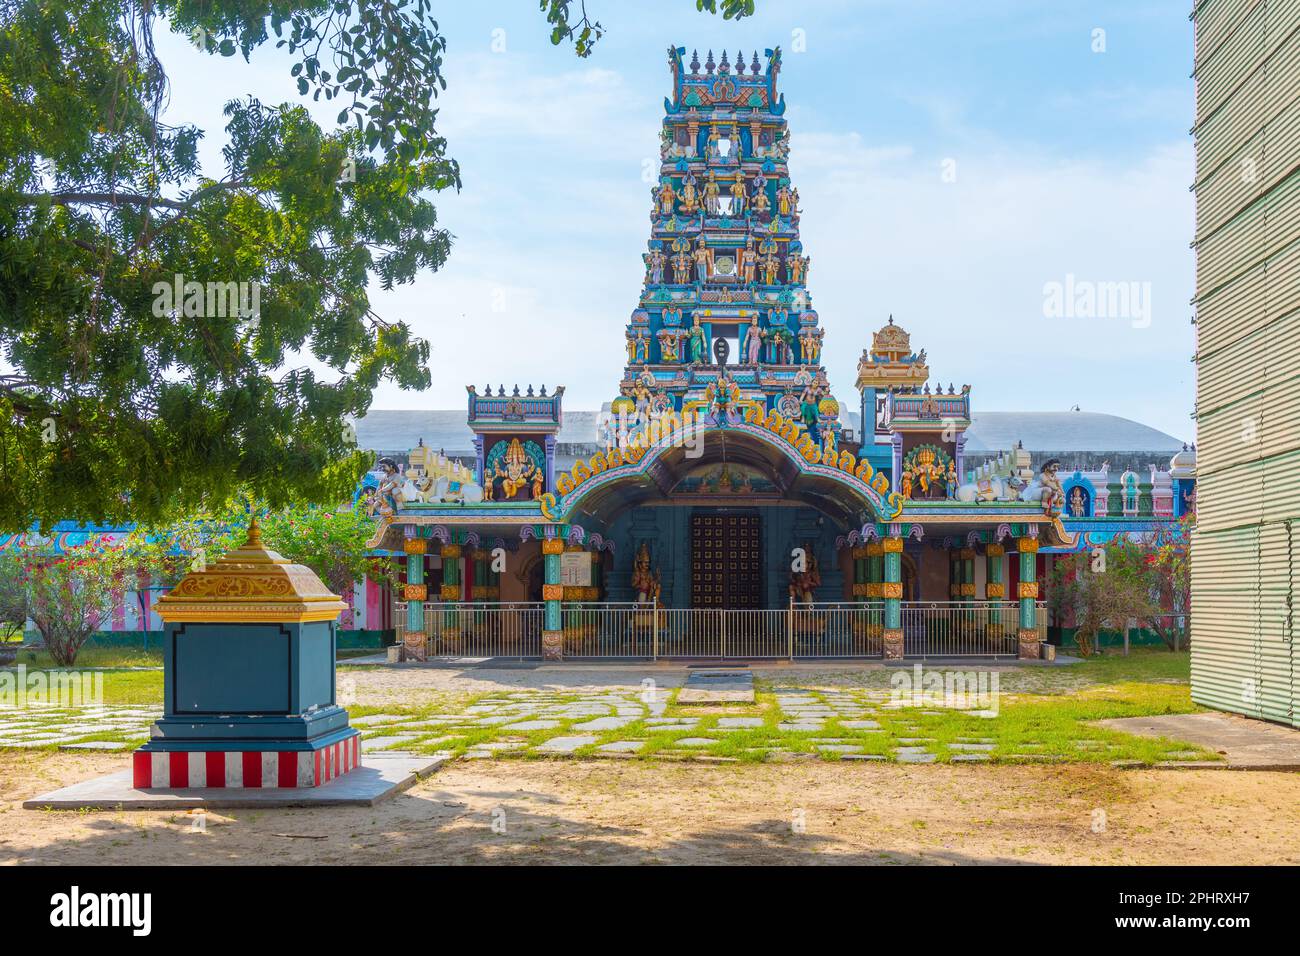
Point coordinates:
[[726, 559]]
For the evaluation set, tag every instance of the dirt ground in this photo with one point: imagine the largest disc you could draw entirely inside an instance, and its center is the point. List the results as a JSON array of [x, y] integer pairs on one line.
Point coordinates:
[[623, 811]]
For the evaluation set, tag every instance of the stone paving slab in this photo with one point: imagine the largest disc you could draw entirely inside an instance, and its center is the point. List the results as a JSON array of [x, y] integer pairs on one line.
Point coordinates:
[[1245, 743], [718, 687], [378, 778], [564, 745]]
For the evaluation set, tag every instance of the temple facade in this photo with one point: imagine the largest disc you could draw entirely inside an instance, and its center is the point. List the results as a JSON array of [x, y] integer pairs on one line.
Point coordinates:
[[726, 503]]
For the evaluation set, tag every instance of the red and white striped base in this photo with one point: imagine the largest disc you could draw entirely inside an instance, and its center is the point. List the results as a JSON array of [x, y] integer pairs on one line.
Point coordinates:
[[247, 769]]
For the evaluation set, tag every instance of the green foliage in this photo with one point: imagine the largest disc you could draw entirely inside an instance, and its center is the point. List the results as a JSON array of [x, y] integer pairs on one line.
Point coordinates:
[[577, 27], [1125, 581], [69, 595], [330, 541], [125, 404], [127, 401]]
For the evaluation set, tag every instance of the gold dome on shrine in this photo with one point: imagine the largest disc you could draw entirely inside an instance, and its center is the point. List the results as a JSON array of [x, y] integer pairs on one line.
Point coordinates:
[[251, 585], [890, 362]]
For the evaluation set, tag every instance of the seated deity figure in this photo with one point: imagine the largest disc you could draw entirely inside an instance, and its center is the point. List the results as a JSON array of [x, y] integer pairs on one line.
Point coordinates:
[[389, 492], [690, 195], [758, 199], [516, 471]]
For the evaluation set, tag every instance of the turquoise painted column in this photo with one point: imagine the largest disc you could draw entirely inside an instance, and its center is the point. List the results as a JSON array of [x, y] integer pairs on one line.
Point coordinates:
[[552, 594], [892, 591], [1028, 595], [415, 639]]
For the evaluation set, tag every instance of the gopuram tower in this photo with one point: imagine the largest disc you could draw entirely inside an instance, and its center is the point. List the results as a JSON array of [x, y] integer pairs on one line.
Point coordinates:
[[725, 294]]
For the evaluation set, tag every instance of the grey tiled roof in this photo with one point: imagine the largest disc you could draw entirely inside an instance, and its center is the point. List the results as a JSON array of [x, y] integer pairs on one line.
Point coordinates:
[[396, 430]]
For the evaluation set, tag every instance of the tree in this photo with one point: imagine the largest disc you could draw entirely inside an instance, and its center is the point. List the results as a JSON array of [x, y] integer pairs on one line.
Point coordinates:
[[329, 541], [13, 593], [1102, 591], [70, 594], [136, 391]]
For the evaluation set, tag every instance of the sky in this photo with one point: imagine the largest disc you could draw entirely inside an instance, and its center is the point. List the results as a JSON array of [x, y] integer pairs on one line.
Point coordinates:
[[954, 160]]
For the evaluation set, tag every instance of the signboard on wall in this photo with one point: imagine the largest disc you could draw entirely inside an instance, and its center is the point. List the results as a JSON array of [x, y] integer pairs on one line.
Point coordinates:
[[575, 569]]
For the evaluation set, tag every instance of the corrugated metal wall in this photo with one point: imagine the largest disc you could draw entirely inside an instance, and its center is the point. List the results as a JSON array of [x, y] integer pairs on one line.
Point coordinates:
[[1248, 356]]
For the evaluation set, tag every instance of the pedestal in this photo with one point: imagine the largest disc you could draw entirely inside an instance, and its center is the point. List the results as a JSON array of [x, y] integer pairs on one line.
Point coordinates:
[[893, 644], [1029, 645], [552, 645], [248, 680]]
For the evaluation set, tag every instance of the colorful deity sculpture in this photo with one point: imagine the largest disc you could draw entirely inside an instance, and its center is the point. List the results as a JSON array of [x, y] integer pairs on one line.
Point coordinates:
[[738, 195], [516, 471], [666, 196], [668, 346], [703, 256], [758, 198], [389, 492], [748, 260], [682, 265], [1053, 493], [783, 200], [690, 195], [754, 343], [711, 193], [804, 583], [645, 582], [654, 266], [699, 344], [796, 269]]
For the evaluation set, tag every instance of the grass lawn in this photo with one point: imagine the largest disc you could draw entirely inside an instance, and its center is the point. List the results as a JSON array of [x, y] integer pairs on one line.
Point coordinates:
[[1041, 714], [1045, 716]]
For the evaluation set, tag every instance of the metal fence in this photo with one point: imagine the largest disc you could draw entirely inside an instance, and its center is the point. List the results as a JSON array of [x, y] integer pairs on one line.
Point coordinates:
[[479, 629], [827, 630], [964, 628]]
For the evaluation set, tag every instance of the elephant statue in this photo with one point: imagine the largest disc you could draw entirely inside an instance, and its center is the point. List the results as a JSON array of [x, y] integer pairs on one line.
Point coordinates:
[[995, 488]]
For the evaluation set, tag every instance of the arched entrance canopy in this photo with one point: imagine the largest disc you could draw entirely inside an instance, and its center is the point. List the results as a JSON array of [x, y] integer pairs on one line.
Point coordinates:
[[608, 483]]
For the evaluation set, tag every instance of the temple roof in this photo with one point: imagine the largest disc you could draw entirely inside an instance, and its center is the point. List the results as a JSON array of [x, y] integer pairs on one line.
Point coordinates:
[[396, 430], [1065, 431]]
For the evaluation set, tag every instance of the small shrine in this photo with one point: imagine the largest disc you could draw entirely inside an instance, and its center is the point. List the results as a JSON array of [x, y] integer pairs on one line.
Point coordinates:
[[248, 679]]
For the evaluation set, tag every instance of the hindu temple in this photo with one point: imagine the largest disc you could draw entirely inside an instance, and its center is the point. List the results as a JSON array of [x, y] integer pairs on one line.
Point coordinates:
[[724, 503]]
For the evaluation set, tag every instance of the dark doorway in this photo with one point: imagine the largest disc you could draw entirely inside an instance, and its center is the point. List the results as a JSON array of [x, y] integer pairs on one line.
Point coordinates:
[[726, 559]]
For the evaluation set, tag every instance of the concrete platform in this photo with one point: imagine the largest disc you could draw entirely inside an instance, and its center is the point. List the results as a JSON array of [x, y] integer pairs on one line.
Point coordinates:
[[718, 686], [379, 777], [1245, 744]]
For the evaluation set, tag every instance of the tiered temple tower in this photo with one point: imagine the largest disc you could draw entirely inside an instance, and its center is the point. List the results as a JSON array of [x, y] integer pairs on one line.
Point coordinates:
[[726, 276]]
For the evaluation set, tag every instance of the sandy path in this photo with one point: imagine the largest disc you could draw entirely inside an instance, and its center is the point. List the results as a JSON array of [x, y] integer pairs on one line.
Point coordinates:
[[628, 811]]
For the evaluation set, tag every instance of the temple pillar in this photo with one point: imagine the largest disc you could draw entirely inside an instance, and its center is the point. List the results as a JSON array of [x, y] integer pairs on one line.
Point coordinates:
[[450, 573], [892, 591], [415, 640], [552, 594], [966, 559], [994, 589], [859, 557], [1028, 595]]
